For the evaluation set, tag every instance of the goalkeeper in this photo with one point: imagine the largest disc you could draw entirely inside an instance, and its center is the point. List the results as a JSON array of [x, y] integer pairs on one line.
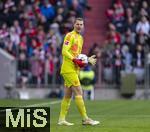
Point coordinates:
[[72, 47]]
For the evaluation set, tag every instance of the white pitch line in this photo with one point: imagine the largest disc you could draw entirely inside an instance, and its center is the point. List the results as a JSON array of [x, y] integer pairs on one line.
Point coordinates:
[[35, 105], [43, 104]]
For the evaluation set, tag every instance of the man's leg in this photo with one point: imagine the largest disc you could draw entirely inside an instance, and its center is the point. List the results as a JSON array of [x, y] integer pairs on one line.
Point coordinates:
[[92, 94], [79, 101], [65, 106], [81, 107]]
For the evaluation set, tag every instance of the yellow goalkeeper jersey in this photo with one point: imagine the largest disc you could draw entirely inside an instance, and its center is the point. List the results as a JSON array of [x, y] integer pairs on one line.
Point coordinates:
[[72, 47]]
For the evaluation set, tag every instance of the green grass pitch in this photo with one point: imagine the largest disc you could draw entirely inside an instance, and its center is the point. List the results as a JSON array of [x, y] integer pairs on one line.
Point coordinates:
[[115, 116]]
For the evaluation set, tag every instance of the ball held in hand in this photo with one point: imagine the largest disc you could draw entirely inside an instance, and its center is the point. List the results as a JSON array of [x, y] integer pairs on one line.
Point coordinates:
[[83, 57]]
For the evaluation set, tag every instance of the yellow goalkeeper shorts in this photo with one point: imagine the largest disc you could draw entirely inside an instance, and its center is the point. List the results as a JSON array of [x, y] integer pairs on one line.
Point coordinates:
[[71, 79]]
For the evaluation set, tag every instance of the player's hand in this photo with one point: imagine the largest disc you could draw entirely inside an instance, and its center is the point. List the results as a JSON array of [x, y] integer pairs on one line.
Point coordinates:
[[92, 59], [79, 62]]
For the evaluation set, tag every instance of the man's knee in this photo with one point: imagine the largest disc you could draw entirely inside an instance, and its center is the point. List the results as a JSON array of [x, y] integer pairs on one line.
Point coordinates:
[[77, 90], [68, 92]]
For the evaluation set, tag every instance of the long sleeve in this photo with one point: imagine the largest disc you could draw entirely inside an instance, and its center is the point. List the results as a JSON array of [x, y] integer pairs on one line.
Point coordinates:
[[66, 47]]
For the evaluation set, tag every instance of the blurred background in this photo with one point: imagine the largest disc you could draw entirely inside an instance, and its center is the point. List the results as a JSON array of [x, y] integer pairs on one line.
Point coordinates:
[[31, 37]]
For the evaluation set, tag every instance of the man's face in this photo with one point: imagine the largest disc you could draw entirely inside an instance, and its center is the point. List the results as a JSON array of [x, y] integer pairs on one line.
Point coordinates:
[[78, 26]]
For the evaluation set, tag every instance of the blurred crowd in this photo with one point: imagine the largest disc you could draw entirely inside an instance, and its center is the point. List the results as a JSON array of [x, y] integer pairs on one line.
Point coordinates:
[[128, 38], [33, 31]]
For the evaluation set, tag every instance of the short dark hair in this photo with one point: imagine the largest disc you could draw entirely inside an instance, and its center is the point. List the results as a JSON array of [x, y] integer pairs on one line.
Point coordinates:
[[78, 18]]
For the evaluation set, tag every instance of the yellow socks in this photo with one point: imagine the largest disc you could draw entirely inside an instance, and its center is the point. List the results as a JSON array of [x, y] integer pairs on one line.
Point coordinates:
[[64, 108], [81, 107]]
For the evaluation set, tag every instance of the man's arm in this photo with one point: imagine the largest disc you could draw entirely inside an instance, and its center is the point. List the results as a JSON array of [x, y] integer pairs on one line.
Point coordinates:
[[66, 46]]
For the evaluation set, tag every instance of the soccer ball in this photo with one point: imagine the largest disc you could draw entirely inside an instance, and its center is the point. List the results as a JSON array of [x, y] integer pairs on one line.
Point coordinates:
[[83, 57]]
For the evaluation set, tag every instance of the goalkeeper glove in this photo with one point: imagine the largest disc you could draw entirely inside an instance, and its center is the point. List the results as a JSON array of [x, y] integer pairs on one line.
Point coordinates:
[[79, 62], [92, 59]]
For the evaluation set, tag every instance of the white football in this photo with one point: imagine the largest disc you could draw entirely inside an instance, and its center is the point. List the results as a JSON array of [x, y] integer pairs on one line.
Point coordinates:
[[83, 57]]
